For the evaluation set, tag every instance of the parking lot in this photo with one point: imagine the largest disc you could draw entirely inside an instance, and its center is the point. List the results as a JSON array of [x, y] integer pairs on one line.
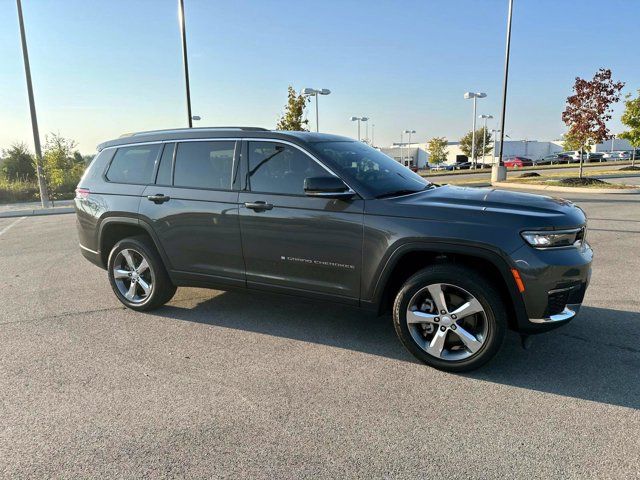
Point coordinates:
[[249, 385]]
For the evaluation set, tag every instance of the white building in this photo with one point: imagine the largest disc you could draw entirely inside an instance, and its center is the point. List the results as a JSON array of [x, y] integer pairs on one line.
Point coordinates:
[[415, 154]]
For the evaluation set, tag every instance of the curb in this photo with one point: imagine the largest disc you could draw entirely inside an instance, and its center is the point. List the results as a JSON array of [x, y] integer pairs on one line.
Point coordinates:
[[551, 188], [36, 212]]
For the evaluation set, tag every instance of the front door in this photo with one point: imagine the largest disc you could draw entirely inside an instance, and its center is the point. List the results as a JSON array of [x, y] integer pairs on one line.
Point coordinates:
[[292, 242], [193, 208]]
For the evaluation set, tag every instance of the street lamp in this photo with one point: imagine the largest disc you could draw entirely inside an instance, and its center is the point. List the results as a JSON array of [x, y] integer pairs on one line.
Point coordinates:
[[359, 119], [475, 96], [409, 132], [484, 133], [185, 60], [315, 93]]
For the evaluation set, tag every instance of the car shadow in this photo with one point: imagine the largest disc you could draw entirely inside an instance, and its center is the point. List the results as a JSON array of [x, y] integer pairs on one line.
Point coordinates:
[[596, 357]]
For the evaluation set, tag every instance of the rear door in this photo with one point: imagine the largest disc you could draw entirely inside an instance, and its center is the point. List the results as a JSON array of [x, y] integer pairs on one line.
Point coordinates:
[[193, 208], [292, 242]]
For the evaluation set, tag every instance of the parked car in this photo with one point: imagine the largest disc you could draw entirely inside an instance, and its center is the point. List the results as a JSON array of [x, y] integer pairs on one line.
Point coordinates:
[[517, 162], [594, 157], [554, 159], [441, 166], [470, 165], [328, 217], [617, 155]]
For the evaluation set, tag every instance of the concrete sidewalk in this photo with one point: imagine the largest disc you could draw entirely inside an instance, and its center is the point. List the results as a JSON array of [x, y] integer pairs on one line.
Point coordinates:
[[29, 209]]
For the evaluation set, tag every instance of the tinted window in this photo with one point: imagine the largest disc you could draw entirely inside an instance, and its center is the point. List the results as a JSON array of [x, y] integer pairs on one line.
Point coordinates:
[[166, 165], [133, 164], [204, 165], [360, 164], [279, 168]]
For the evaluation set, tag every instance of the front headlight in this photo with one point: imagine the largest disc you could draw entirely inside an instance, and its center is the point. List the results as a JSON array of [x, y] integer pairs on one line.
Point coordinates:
[[555, 238]]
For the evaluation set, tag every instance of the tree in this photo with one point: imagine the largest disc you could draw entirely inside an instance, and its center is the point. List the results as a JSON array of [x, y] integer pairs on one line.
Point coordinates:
[[437, 148], [570, 143], [465, 143], [631, 119], [18, 163], [589, 109], [292, 119], [59, 163]]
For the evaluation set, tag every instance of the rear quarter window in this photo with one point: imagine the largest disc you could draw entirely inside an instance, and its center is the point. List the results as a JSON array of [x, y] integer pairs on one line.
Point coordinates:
[[133, 164]]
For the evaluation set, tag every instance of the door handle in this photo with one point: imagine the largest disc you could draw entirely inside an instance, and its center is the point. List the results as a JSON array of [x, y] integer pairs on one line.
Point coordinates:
[[258, 206], [158, 198]]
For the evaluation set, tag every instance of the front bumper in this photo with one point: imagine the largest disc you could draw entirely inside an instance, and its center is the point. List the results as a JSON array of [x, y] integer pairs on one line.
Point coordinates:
[[569, 312], [555, 283]]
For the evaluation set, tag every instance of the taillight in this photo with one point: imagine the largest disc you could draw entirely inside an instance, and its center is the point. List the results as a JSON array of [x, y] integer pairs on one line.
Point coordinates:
[[82, 192]]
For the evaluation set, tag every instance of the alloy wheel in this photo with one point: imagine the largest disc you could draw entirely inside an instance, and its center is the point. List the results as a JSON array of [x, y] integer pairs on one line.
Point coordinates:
[[447, 322], [133, 276]]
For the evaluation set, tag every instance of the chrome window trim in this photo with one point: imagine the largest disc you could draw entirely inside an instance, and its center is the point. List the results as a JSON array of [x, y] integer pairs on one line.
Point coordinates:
[[247, 139]]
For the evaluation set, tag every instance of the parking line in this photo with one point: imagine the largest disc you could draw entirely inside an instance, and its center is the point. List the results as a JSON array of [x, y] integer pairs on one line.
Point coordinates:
[[6, 229]]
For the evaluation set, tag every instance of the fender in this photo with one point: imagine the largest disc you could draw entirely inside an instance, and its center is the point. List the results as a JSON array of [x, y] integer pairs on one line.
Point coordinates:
[[138, 223], [486, 252]]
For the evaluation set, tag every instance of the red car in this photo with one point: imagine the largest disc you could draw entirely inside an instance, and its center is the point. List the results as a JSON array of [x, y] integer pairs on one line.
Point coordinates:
[[517, 162]]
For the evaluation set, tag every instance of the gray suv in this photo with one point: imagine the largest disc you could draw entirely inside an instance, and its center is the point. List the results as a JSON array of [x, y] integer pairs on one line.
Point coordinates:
[[330, 218]]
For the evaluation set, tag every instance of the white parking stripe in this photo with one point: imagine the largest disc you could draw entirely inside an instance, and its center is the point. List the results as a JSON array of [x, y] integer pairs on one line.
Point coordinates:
[[6, 229]]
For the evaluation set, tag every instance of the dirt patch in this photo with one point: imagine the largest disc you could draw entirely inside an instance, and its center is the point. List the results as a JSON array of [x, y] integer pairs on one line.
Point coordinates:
[[582, 182], [529, 175], [634, 168]]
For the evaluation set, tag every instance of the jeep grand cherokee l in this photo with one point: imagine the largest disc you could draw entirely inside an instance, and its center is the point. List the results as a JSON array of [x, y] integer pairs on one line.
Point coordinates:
[[327, 217]]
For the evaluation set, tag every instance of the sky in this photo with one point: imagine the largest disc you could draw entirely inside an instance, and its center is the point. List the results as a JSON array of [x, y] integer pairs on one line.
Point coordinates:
[[103, 68]]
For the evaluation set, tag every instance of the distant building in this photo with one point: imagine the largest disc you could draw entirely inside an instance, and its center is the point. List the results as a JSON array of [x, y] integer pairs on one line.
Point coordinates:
[[416, 154]]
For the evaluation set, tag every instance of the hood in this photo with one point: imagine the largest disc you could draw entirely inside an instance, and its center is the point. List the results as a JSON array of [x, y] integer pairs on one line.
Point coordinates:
[[485, 205]]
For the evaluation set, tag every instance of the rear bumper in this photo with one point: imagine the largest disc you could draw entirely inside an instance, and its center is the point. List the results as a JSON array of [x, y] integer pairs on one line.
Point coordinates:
[[91, 255]]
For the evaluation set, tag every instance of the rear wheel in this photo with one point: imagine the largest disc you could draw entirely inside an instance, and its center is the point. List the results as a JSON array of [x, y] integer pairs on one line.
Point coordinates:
[[137, 274], [450, 318]]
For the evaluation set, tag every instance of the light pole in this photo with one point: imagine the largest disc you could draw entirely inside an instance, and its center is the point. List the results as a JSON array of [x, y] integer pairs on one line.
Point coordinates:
[[499, 173], [484, 134], [185, 60], [409, 132], [315, 93], [366, 126], [357, 119], [495, 135], [373, 128], [612, 139], [475, 96], [42, 186]]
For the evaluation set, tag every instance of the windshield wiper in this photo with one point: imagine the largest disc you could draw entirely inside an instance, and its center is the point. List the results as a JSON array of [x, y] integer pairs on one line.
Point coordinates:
[[398, 193]]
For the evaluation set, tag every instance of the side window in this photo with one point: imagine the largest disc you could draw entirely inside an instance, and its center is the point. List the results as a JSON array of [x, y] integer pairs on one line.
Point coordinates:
[[204, 165], [166, 165], [279, 168], [133, 164]]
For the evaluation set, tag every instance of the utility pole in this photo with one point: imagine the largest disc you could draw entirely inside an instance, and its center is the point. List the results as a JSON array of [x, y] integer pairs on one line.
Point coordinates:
[[506, 80], [185, 60], [44, 195]]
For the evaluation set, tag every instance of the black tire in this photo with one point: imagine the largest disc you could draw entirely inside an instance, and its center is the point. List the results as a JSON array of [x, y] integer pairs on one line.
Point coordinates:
[[485, 292], [162, 289]]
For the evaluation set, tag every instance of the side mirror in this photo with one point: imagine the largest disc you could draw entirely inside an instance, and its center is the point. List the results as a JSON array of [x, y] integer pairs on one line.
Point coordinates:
[[327, 187]]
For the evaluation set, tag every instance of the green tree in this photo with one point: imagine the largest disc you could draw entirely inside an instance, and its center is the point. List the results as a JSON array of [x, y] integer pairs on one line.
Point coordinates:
[[292, 119], [465, 143], [18, 163], [59, 162], [631, 119], [437, 149], [589, 109], [569, 142]]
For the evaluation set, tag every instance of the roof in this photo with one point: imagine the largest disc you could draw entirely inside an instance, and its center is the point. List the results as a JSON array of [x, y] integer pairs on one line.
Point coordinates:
[[220, 132]]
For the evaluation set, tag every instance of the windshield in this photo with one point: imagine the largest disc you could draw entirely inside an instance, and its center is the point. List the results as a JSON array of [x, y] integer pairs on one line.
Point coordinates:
[[370, 170]]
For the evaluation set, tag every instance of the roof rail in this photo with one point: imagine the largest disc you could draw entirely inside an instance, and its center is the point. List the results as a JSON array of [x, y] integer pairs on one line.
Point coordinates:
[[199, 129]]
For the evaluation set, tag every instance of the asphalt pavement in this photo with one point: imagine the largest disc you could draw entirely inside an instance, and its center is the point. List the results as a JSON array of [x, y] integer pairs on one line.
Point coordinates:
[[246, 385]]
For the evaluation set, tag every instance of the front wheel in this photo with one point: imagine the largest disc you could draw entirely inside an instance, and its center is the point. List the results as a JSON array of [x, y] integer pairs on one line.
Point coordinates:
[[450, 318]]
